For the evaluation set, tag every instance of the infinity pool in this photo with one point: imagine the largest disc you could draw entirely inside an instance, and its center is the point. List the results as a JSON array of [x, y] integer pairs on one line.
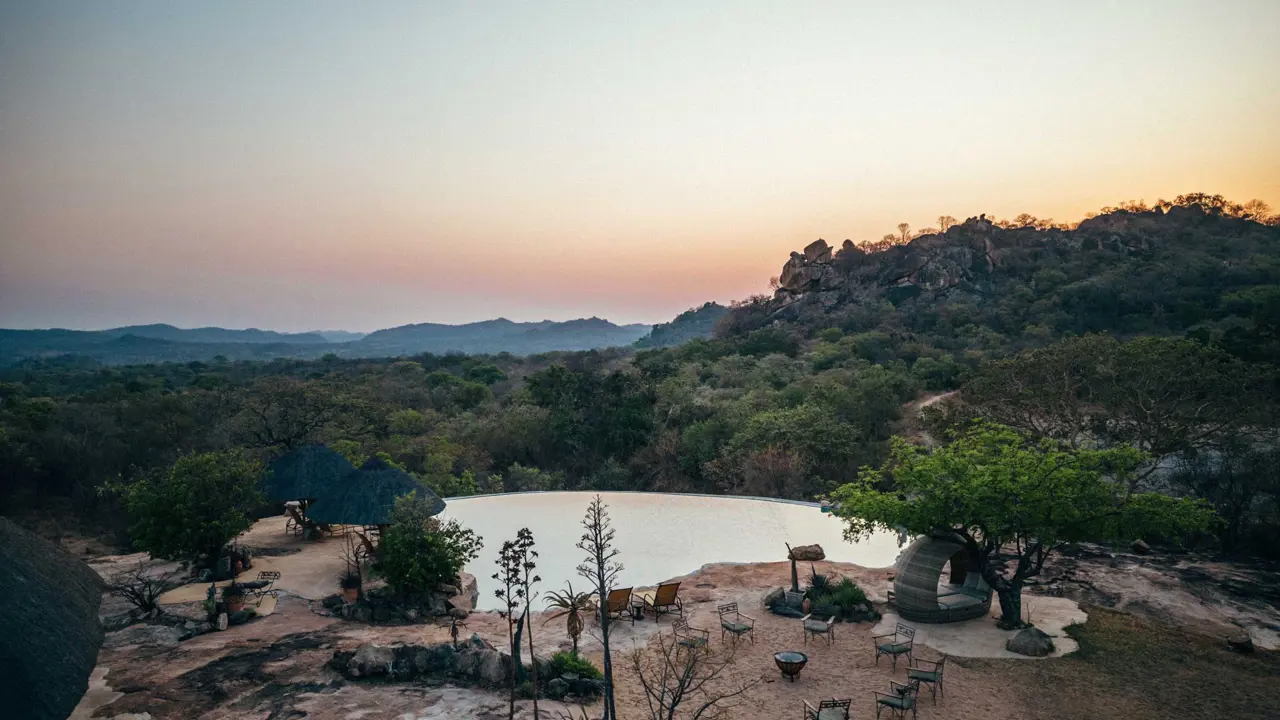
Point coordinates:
[[659, 535]]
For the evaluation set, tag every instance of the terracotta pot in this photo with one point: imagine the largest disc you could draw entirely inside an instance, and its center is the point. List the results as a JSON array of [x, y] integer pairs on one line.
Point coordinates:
[[235, 604], [350, 595], [237, 568], [805, 605]]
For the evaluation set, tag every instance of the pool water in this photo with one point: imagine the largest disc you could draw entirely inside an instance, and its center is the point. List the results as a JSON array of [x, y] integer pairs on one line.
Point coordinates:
[[659, 535]]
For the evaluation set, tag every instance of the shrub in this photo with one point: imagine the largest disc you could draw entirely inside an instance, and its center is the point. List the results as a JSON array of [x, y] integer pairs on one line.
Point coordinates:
[[846, 595], [566, 662], [417, 553], [819, 585], [195, 507]]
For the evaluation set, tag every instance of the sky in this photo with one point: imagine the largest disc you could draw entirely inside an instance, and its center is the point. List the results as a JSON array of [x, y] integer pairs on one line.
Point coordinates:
[[325, 165]]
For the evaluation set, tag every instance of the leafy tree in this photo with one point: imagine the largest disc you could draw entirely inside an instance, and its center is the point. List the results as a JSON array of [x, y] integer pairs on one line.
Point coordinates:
[[999, 491], [417, 552], [195, 507]]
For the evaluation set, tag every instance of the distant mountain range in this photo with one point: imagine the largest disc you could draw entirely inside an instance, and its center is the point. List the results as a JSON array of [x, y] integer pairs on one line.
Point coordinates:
[[165, 343]]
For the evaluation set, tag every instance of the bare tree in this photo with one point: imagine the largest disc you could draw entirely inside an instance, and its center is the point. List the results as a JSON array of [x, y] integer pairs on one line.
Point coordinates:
[[681, 682], [945, 222], [904, 233], [511, 594], [142, 589], [524, 546], [601, 568]]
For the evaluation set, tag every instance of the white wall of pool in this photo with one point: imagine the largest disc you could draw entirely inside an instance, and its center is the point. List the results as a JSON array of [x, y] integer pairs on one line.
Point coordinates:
[[659, 535]]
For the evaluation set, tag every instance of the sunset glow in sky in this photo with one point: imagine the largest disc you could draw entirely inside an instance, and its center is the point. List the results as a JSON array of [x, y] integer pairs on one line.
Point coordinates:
[[304, 165]]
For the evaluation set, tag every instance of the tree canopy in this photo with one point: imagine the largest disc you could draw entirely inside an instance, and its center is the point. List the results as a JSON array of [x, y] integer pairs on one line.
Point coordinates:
[[1001, 491], [194, 507]]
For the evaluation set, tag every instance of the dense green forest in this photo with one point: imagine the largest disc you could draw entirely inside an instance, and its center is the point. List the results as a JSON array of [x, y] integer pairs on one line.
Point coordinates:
[[793, 395]]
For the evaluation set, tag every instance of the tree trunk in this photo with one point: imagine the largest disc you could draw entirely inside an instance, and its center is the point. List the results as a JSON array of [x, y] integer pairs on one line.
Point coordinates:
[[533, 663], [1010, 596], [515, 650], [511, 712], [610, 712]]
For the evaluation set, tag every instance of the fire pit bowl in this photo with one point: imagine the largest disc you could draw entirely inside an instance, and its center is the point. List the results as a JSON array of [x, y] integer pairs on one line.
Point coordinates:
[[790, 662]]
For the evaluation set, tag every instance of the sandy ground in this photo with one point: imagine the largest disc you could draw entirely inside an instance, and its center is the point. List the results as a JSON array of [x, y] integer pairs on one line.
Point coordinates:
[[310, 570], [275, 667]]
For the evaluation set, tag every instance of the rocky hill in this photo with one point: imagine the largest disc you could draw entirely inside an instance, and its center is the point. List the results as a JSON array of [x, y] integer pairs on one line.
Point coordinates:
[[692, 323], [979, 285]]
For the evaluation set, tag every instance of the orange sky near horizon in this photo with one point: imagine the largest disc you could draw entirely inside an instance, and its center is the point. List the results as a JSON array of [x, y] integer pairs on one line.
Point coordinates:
[[316, 165]]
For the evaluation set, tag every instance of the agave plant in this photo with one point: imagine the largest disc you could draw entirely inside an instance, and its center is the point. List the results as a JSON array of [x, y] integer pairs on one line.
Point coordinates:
[[573, 606]]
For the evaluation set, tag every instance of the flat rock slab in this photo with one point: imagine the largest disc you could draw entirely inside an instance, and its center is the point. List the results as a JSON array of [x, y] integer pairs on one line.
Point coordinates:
[[980, 638]]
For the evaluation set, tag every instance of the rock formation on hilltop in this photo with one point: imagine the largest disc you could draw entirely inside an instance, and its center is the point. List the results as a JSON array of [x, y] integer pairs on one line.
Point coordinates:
[[1126, 271]]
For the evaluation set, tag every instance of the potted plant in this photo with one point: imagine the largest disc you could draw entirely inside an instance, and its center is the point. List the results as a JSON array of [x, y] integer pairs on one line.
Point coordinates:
[[350, 583], [233, 597]]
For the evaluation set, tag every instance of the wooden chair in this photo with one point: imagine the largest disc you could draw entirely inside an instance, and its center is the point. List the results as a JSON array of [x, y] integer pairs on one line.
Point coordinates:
[[895, 644], [931, 675], [618, 602], [691, 637], [827, 710], [732, 622], [665, 599], [898, 701], [815, 624]]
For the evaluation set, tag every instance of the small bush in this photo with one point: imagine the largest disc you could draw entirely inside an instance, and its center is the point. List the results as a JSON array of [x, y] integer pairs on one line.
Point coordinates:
[[565, 662], [846, 595], [417, 553], [819, 585]]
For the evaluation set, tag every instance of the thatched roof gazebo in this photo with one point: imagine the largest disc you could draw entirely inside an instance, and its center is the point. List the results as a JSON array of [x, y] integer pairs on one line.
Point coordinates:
[[50, 628], [919, 591], [367, 496], [304, 474]]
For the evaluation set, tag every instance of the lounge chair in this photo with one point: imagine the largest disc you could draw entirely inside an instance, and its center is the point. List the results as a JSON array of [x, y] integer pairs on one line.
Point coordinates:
[[827, 710], [665, 599], [931, 675], [824, 625], [735, 623], [295, 524], [691, 637], [901, 699], [619, 602], [263, 586], [897, 643]]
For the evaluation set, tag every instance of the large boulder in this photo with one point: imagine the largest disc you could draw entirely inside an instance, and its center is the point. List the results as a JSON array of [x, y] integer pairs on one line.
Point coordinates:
[[774, 597], [468, 593], [1032, 642], [1241, 643], [371, 661], [817, 251], [808, 553]]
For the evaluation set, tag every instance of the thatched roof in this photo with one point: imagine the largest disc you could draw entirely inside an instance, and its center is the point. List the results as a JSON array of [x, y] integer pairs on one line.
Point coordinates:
[[367, 496], [305, 473], [49, 628]]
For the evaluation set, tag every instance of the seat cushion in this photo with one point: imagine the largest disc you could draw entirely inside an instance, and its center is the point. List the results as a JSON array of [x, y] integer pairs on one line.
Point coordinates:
[[895, 701], [894, 648], [693, 642], [735, 627], [831, 714], [925, 675], [816, 626]]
